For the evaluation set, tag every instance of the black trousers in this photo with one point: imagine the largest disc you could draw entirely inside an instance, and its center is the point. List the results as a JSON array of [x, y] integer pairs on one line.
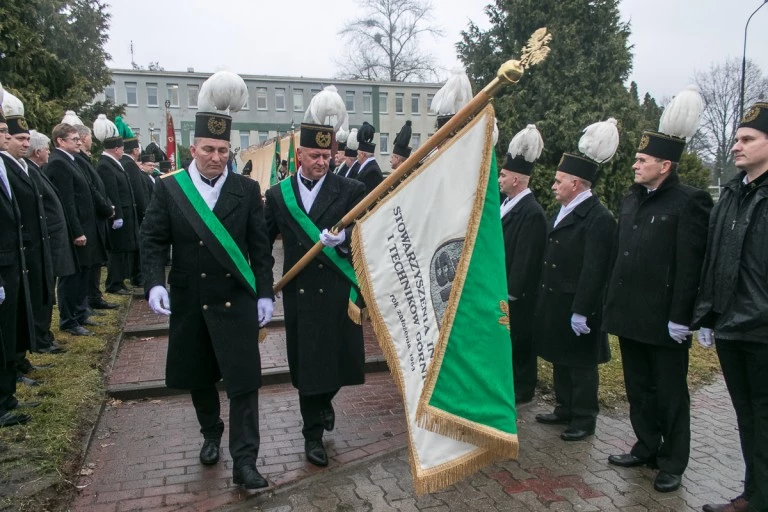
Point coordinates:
[[524, 359], [7, 385], [94, 279], [744, 365], [312, 407], [72, 292], [656, 380], [244, 438], [118, 269], [135, 261], [576, 395]]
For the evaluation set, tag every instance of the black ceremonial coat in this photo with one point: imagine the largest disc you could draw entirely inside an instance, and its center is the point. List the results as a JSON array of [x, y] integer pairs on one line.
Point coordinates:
[[525, 237], [138, 184], [353, 170], [371, 175], [573, 277], [660, 247], [325, 347], [214, 315], [101, 202], [120, 192]]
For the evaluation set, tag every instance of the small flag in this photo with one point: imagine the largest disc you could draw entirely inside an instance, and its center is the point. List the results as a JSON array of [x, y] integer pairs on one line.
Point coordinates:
[[292, 157], [275, 162], [170, 149]]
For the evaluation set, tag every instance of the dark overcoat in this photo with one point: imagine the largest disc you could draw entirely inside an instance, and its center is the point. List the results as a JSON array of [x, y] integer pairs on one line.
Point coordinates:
[[37, 251], [352, 174], [101, 202], [214, 323], [659, 250], [370, 175], [136, 177], [325, 347], [574, 274], [121, 194], [13, 278], [525, 237]]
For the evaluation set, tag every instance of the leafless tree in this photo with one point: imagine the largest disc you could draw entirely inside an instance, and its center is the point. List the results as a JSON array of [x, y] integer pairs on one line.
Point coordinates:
[[383, 43], [721, 89]]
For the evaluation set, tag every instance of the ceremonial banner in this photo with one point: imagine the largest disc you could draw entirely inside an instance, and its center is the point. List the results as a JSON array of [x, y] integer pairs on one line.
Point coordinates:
[[430, 262], [292, 154], [170, 149], [275, 162]]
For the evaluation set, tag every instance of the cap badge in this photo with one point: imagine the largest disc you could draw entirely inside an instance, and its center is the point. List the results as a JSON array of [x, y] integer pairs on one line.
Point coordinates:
[[751, 115], [323, 140], [644, 141], [217, 126]]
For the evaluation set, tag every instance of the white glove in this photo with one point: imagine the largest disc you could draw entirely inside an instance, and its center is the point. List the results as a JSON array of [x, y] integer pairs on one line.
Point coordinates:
[[117, 223], [331, 240], [159, 302], [678, 332], [266, 309], [706, 337], [2, 294], [579, 324]]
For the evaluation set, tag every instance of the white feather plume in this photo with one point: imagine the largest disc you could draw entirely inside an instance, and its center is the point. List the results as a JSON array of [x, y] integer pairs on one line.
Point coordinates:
[[71, 119], [600, 140], [495, 131], [2, 93], [103, 128], [681, 117], [352, 142], [456, 93], [342, 135], [527, 143], [12, 106], [224, 91], [327, 107]]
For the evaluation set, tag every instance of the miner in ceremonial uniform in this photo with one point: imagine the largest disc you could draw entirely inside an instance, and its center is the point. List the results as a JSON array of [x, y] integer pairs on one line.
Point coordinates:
[[567, 329], [370, 172], [733, 300], [339, 159], [524, 225], [220, 280], [325, 346], [401, 149], [659, 250], [352, 166]]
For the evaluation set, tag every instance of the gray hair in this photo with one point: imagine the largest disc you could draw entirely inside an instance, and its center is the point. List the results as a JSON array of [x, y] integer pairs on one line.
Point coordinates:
[[82, 131], [37, 141]]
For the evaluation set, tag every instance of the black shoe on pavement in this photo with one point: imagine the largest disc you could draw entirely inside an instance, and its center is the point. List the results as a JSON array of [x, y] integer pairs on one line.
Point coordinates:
[[248, 477], [738, 504], [315, 452], [102, 304], [209, 453], [576, 434], [551, 418], [8, 420], [627, 460], [78, 330], [667, 482], [21, 379]]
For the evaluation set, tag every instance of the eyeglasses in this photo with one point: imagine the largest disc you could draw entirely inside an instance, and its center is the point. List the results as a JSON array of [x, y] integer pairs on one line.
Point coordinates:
[[73, 139]]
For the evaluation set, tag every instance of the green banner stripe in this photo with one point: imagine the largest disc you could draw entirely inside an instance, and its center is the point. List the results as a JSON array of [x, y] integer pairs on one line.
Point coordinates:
[[217, 228], [314, 234]]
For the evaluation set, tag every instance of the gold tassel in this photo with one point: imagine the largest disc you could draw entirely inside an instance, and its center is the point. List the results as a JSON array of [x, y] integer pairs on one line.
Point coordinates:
[[262, 334], [355, 313]]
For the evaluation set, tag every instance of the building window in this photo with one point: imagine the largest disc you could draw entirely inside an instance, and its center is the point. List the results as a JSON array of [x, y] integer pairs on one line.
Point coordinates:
[[350, 101], [415, 101], [415, 140], [298, 100], [109, 93], [430, 97], [137, 132], [367, 103], [245, 140], [131, 98], [261, 98], [177, 135], [384, 143], [279, 99], [173, 94], [263, 136], [192, 91], [383, 97], [151, 95], [399, 100]]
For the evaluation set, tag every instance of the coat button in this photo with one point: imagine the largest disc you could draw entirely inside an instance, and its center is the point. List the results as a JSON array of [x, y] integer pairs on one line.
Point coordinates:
[[227, 304], [320, 290], [205, 307], [543, 286], [320, 265], [634, 227], [626, 253], [301, 291], [201, 243], [554, 266], [203, 275], [228, 275]]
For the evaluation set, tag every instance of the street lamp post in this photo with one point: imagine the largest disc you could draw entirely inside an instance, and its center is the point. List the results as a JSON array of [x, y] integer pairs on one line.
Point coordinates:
[[744, 60]]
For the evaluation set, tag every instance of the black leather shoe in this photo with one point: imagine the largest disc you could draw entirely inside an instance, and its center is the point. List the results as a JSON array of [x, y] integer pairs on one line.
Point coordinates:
[[316, 452], [575, 434], [551, 418], [88, 321], [667, 482], [93, 312], [329, 419], [25, 405], [738, 504], [78, 330], [209, 453], [121, 291], [51, 349], [102, 304], [21, 379], [9, 420], [627, 460], [249, 477]]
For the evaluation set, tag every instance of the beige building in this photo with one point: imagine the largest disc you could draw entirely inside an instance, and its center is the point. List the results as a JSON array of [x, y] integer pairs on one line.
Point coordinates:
[[275, 103]]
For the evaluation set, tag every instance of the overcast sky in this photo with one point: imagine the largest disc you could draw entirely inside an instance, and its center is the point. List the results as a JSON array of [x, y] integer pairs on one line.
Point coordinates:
[[672, 38]]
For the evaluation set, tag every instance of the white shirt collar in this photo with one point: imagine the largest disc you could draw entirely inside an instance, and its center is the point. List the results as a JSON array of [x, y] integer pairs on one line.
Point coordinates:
[[576, 201], [209, 193], [308, 196], [21, 162], [362, 166], [511, 202], [71, 156]]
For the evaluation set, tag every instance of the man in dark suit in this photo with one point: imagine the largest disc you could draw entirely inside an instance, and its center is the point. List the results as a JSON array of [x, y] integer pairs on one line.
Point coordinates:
[[123, 232], [525, 236], [220, 278], [660, 247], [325, 347], [569, 306], [130, 161], [369, 172]]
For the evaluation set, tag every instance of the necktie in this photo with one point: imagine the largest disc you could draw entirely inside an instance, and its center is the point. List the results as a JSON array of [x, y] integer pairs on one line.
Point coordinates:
[[307, 182], [505, 202], [210, 182]]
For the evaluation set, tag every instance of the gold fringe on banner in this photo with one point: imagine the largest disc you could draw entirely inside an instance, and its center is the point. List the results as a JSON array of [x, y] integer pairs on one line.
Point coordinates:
[[262, 334], [356, 313]]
